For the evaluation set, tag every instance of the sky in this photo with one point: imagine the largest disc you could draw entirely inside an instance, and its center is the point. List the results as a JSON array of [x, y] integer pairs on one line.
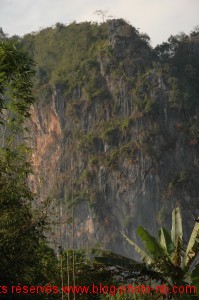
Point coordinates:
[[158, 18]]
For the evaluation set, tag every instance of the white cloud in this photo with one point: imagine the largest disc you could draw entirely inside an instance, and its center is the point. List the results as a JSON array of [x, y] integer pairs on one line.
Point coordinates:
[[158, 18]]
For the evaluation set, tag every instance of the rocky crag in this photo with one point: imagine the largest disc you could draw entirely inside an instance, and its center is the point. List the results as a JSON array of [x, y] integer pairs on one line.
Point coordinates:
[[115, 130]]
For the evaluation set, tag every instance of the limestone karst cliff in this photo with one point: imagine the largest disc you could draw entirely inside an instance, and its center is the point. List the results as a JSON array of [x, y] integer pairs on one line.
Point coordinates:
[[115, 128]]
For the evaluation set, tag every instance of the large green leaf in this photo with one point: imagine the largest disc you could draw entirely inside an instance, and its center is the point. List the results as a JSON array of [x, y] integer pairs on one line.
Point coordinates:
[[151, 243], [130, 268], [192, 247], [144, 255], [176, 231], [166, 241], [117, 260]]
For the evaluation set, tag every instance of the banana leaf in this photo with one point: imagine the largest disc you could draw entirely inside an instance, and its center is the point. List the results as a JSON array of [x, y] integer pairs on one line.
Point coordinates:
[[176, 231], [151, 243], [130, 269], [120, 261], [145, 257], [192, 247], [166, 241], [178, 253]]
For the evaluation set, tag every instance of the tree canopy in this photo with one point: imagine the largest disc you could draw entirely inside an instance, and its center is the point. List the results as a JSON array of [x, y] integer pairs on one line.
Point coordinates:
[[25, 255]]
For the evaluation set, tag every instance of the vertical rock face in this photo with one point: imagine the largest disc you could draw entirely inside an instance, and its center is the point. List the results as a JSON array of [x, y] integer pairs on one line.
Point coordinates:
[[121, 141], [47, 135]]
